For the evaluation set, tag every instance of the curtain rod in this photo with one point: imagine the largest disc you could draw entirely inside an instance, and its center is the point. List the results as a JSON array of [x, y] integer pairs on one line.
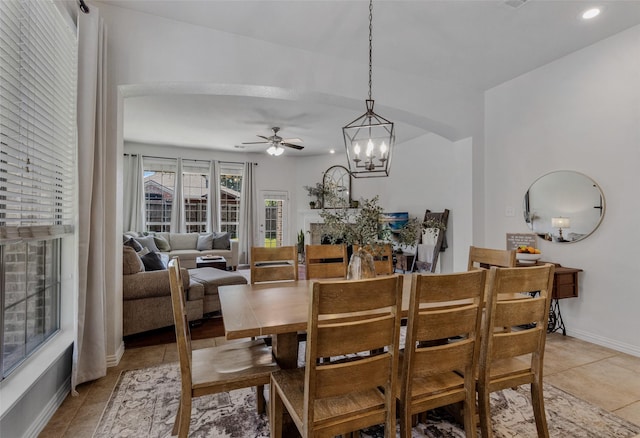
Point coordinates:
[[190, 159], [83, 6]]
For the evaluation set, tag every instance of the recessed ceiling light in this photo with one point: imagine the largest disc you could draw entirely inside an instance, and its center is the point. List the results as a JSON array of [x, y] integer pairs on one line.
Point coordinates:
[[332, 151], [591, 13]]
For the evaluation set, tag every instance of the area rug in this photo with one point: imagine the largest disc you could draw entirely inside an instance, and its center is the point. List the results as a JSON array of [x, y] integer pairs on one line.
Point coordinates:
[[144, 403]]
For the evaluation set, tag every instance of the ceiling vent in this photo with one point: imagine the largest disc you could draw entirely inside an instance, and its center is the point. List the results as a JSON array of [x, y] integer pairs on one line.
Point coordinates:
[[515, 3]]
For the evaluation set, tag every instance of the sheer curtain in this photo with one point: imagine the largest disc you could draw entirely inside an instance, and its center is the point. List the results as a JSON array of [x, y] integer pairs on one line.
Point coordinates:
[[248, 213], [213, 206], [134, 205], [90, 347], [178, 219]]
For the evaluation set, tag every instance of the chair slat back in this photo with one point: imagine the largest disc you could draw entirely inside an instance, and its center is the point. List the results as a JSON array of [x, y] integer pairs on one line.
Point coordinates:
[[348, 319], [454, 310], [487, 257], [382, 257], [183, 333], [273, 264], [326, 261], [529, 315]]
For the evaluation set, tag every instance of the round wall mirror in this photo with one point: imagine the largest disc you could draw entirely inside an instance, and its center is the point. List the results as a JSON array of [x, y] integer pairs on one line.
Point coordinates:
[[564, 206]]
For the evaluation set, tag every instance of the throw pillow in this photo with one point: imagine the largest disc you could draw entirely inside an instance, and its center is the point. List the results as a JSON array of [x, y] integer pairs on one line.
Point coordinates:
[[153, 262], [222, 241], [131, 242], [148, 242], [183, 240], [161, 243], [131, 263], [205, 242]]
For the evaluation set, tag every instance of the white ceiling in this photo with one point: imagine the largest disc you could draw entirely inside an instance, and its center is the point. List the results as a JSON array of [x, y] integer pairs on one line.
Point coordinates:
[[475, 44]]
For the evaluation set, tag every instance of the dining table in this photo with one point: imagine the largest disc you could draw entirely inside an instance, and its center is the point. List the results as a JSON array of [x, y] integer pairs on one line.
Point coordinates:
[[280, 310]]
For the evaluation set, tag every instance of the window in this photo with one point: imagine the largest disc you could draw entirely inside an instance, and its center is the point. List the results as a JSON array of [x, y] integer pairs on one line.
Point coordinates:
[[158, 195], [37, 178], [196, 188], [273, 223], [230, 189]]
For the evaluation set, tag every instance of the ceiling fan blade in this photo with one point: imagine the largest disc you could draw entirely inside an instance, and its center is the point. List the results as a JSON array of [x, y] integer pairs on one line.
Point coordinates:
[[293, 146], [257, 142], [262, 136], [292, 140]]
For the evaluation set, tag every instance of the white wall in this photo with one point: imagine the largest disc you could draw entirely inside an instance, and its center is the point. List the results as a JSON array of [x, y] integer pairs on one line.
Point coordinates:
[[581, 112]]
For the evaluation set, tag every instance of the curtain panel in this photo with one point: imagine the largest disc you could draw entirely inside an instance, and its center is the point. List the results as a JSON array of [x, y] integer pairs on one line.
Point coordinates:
[[133, 197], [248, 213], [90, 347]]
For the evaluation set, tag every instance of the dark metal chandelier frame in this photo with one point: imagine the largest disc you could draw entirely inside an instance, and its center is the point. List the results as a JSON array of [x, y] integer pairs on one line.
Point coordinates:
[[369, 134]]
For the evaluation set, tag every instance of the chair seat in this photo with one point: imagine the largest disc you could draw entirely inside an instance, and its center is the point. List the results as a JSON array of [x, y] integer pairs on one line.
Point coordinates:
[[330, 410], [237, 364]]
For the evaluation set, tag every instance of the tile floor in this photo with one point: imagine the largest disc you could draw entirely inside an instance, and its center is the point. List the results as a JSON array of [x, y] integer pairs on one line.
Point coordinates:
[[601, 376]]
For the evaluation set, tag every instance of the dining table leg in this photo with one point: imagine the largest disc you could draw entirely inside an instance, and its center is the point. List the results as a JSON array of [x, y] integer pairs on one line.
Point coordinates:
[[285, 349]]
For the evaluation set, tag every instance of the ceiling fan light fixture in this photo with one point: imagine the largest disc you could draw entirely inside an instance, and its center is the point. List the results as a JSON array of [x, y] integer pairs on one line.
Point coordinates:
[[369, 139], [275, 150]]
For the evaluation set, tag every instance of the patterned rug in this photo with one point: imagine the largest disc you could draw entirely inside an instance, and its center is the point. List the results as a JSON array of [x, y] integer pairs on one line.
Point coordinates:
[[145, 401]]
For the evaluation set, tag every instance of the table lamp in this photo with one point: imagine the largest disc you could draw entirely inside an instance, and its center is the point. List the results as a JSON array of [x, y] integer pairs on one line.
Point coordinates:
[[560, 223]]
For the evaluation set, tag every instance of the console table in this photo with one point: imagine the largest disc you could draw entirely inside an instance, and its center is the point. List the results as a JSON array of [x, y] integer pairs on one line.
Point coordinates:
[[565, 285]]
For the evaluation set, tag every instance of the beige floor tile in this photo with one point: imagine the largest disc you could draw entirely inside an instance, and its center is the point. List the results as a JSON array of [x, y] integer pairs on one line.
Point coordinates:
[[564, 352], [142, 357], [603, 383], [630, 413], [84, 424]]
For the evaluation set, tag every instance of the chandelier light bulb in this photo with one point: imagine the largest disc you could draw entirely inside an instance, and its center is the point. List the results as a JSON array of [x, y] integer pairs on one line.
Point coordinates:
[[369, 148], [356, 149], [383, 149]]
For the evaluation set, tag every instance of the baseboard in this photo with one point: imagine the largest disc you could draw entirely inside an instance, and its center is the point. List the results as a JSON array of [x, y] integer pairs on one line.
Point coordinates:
[[114, 359], [45, 415], [633, 350]]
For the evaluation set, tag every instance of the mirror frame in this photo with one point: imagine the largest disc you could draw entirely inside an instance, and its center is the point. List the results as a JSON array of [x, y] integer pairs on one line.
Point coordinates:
[[529, 212]]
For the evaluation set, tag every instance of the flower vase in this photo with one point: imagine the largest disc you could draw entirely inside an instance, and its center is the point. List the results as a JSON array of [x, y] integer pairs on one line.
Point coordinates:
[[361, 265]]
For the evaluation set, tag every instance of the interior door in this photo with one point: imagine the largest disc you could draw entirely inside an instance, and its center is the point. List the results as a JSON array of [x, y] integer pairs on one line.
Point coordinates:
[[274, 219]]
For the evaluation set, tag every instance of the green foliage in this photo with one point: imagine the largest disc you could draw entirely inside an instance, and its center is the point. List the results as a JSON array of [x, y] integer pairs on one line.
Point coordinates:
[[364, 228]]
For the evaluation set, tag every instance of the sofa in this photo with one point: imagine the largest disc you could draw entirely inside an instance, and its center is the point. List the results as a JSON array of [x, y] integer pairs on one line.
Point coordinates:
[[146, 293], [188, 246]]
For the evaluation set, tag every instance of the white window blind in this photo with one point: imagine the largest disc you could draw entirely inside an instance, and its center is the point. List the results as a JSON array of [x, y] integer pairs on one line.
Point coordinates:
[[38, 70]]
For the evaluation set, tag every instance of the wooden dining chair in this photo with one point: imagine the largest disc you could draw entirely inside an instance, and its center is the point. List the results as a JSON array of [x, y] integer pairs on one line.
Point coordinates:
[[382, 257], [326, 261], [355, 390], [443, 338], [214, 369], [514, 357], [487, 257], [273, 264]]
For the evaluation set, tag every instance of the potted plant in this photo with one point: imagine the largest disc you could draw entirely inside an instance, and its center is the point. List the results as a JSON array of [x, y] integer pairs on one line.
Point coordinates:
[[301, 246], [317, 191]]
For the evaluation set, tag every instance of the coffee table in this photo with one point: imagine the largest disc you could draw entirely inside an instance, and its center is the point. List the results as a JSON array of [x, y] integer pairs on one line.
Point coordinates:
[[218, 263]]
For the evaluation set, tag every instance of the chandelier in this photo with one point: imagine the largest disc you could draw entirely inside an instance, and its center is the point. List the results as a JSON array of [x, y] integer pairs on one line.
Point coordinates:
[[369, 139]]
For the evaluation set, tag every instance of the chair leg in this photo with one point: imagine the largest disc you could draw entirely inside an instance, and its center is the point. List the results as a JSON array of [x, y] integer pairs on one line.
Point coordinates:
[[276, 412], [183, 419], [485, 412], [537, 400], [176, 423], [406, 421], [469, 413], [260, 401]]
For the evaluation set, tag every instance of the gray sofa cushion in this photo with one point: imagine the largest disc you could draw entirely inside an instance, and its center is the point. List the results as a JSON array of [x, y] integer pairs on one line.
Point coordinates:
[[131, 263], [133, 243], [205, 242], [153, 262], [147, 242], [221, 241], [162, 243], [183, 240]]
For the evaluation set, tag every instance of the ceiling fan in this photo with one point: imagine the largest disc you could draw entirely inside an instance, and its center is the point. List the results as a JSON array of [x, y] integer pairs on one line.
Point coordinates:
[[277, 142]]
